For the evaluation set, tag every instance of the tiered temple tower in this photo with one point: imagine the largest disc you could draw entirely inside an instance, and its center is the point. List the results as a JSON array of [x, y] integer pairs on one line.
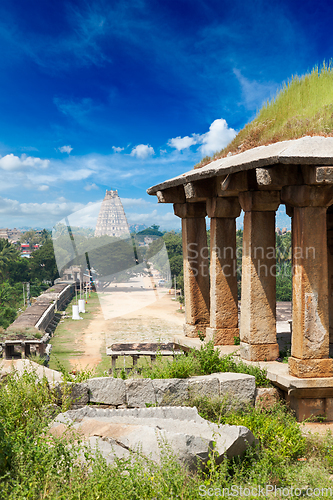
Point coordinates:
[[112, 219]]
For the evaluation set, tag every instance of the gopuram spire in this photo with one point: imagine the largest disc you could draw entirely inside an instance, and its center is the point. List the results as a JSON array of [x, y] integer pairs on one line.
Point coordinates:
[[112, 219]]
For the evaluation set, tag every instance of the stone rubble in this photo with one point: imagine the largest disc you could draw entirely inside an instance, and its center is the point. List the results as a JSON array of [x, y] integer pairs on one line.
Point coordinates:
[[149, 431]]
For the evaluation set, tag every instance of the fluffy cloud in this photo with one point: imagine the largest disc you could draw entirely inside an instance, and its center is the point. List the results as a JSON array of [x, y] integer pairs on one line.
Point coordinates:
[[43, 187], [42, 211], [117, 149], [11, 162], [65, 149], [142, 151], [181, 143], [218, 136]]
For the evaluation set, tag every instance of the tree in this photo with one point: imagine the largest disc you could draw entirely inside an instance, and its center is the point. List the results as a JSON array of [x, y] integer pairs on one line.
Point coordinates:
[[43, 266], [8, 253]]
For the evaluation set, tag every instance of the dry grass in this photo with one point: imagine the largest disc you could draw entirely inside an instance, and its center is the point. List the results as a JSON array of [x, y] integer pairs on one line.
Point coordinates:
[[304, 106]]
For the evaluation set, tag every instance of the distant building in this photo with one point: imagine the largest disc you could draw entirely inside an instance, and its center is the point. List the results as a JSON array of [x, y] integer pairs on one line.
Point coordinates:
[[112, 219], [12, 235]]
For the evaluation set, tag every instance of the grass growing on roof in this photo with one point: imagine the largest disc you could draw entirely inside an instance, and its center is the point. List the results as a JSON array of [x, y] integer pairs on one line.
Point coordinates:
[[303, 106]]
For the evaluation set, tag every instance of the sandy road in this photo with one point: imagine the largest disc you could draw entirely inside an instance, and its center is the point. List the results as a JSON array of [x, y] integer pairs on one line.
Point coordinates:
[[157, 321]]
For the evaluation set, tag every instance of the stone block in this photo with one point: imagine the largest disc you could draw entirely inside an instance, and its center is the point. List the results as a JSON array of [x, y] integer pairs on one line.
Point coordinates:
[[72, 394], [139, 392], [222, 336], [310, 368], [171, 391], [266, 397], [239, 387], [205, 385], [107, 390], [329, 409], [259, 352], [191, 440], [194, 330], [307, 408]]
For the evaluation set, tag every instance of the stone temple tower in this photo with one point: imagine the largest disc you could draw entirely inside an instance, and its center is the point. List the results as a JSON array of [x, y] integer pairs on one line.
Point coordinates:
[[112, 219]]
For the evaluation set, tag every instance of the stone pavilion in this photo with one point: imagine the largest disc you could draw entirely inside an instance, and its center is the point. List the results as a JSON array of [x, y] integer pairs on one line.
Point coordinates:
[[296, 173]]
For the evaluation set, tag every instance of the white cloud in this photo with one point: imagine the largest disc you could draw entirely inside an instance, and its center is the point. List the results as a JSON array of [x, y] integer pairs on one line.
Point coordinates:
[[117, 149], [181, 143], [42, 211], [43, 187], [11, 162], [76, 175], [142, 151], [89, 187], [254, 92], [218, 136], [65, 149]]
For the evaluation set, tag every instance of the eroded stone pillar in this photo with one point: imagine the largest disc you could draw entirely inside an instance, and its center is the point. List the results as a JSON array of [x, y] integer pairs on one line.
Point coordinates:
[[223, 270], [258, 301], [329, 219], [196, 267], [310, 334]]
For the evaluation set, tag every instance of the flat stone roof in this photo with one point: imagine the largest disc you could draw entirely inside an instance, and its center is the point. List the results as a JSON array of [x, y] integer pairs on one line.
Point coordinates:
[[308, 150]]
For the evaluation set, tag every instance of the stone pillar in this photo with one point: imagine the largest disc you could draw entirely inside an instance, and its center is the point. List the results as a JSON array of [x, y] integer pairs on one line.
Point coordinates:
[[196, 267], [310, 336], [223, 270], [329, 219], [258, 300]]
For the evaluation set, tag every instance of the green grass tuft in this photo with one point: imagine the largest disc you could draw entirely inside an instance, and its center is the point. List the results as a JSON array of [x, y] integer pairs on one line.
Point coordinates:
[[303, 106]]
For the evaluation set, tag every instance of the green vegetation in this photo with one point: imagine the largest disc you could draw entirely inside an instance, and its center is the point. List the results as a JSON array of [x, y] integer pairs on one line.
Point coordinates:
[[38, 466], [40, 270], [203, 361], [150, 231], [304, 106]]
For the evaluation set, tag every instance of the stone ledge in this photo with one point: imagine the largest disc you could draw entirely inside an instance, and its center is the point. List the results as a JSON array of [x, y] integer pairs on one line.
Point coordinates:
[[236, 388], [307, 150]]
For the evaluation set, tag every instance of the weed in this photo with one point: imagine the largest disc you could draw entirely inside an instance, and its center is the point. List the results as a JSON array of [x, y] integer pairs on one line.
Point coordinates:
[[302, 107], [203, 361], [36, 465]]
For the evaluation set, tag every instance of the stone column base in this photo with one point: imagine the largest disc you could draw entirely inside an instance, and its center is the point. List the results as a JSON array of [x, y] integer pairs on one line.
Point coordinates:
[[259, 352], [310, 368], [222, 336], [194, 330]]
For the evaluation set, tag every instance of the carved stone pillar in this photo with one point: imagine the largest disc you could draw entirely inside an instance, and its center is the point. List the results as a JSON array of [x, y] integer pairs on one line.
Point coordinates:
[[310, 335], [258, 300], [329, 219], [196, 267], [223, 270]]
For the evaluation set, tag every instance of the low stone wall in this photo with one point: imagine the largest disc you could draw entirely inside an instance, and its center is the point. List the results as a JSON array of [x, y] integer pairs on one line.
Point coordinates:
[[238, 389], [41, 315]]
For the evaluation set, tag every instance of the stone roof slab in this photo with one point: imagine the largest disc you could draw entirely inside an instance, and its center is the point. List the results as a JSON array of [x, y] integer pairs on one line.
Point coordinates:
[[307, 150]]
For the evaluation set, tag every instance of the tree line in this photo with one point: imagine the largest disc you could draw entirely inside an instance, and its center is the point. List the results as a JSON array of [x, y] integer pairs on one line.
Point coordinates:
[[40, 270], [111, 256]]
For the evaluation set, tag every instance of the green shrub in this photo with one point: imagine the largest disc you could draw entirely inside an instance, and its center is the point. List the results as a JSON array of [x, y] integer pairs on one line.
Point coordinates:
[[35, 465], [203, 361]]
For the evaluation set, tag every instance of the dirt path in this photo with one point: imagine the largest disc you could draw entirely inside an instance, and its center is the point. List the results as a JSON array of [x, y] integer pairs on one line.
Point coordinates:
[[158, 321]]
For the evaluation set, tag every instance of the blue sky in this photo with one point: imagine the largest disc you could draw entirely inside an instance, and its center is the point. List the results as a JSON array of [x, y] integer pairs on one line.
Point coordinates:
[[124, 94]]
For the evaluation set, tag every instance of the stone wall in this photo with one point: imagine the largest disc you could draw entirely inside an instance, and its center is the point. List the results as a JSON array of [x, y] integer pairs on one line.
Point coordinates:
[[237, 389]]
